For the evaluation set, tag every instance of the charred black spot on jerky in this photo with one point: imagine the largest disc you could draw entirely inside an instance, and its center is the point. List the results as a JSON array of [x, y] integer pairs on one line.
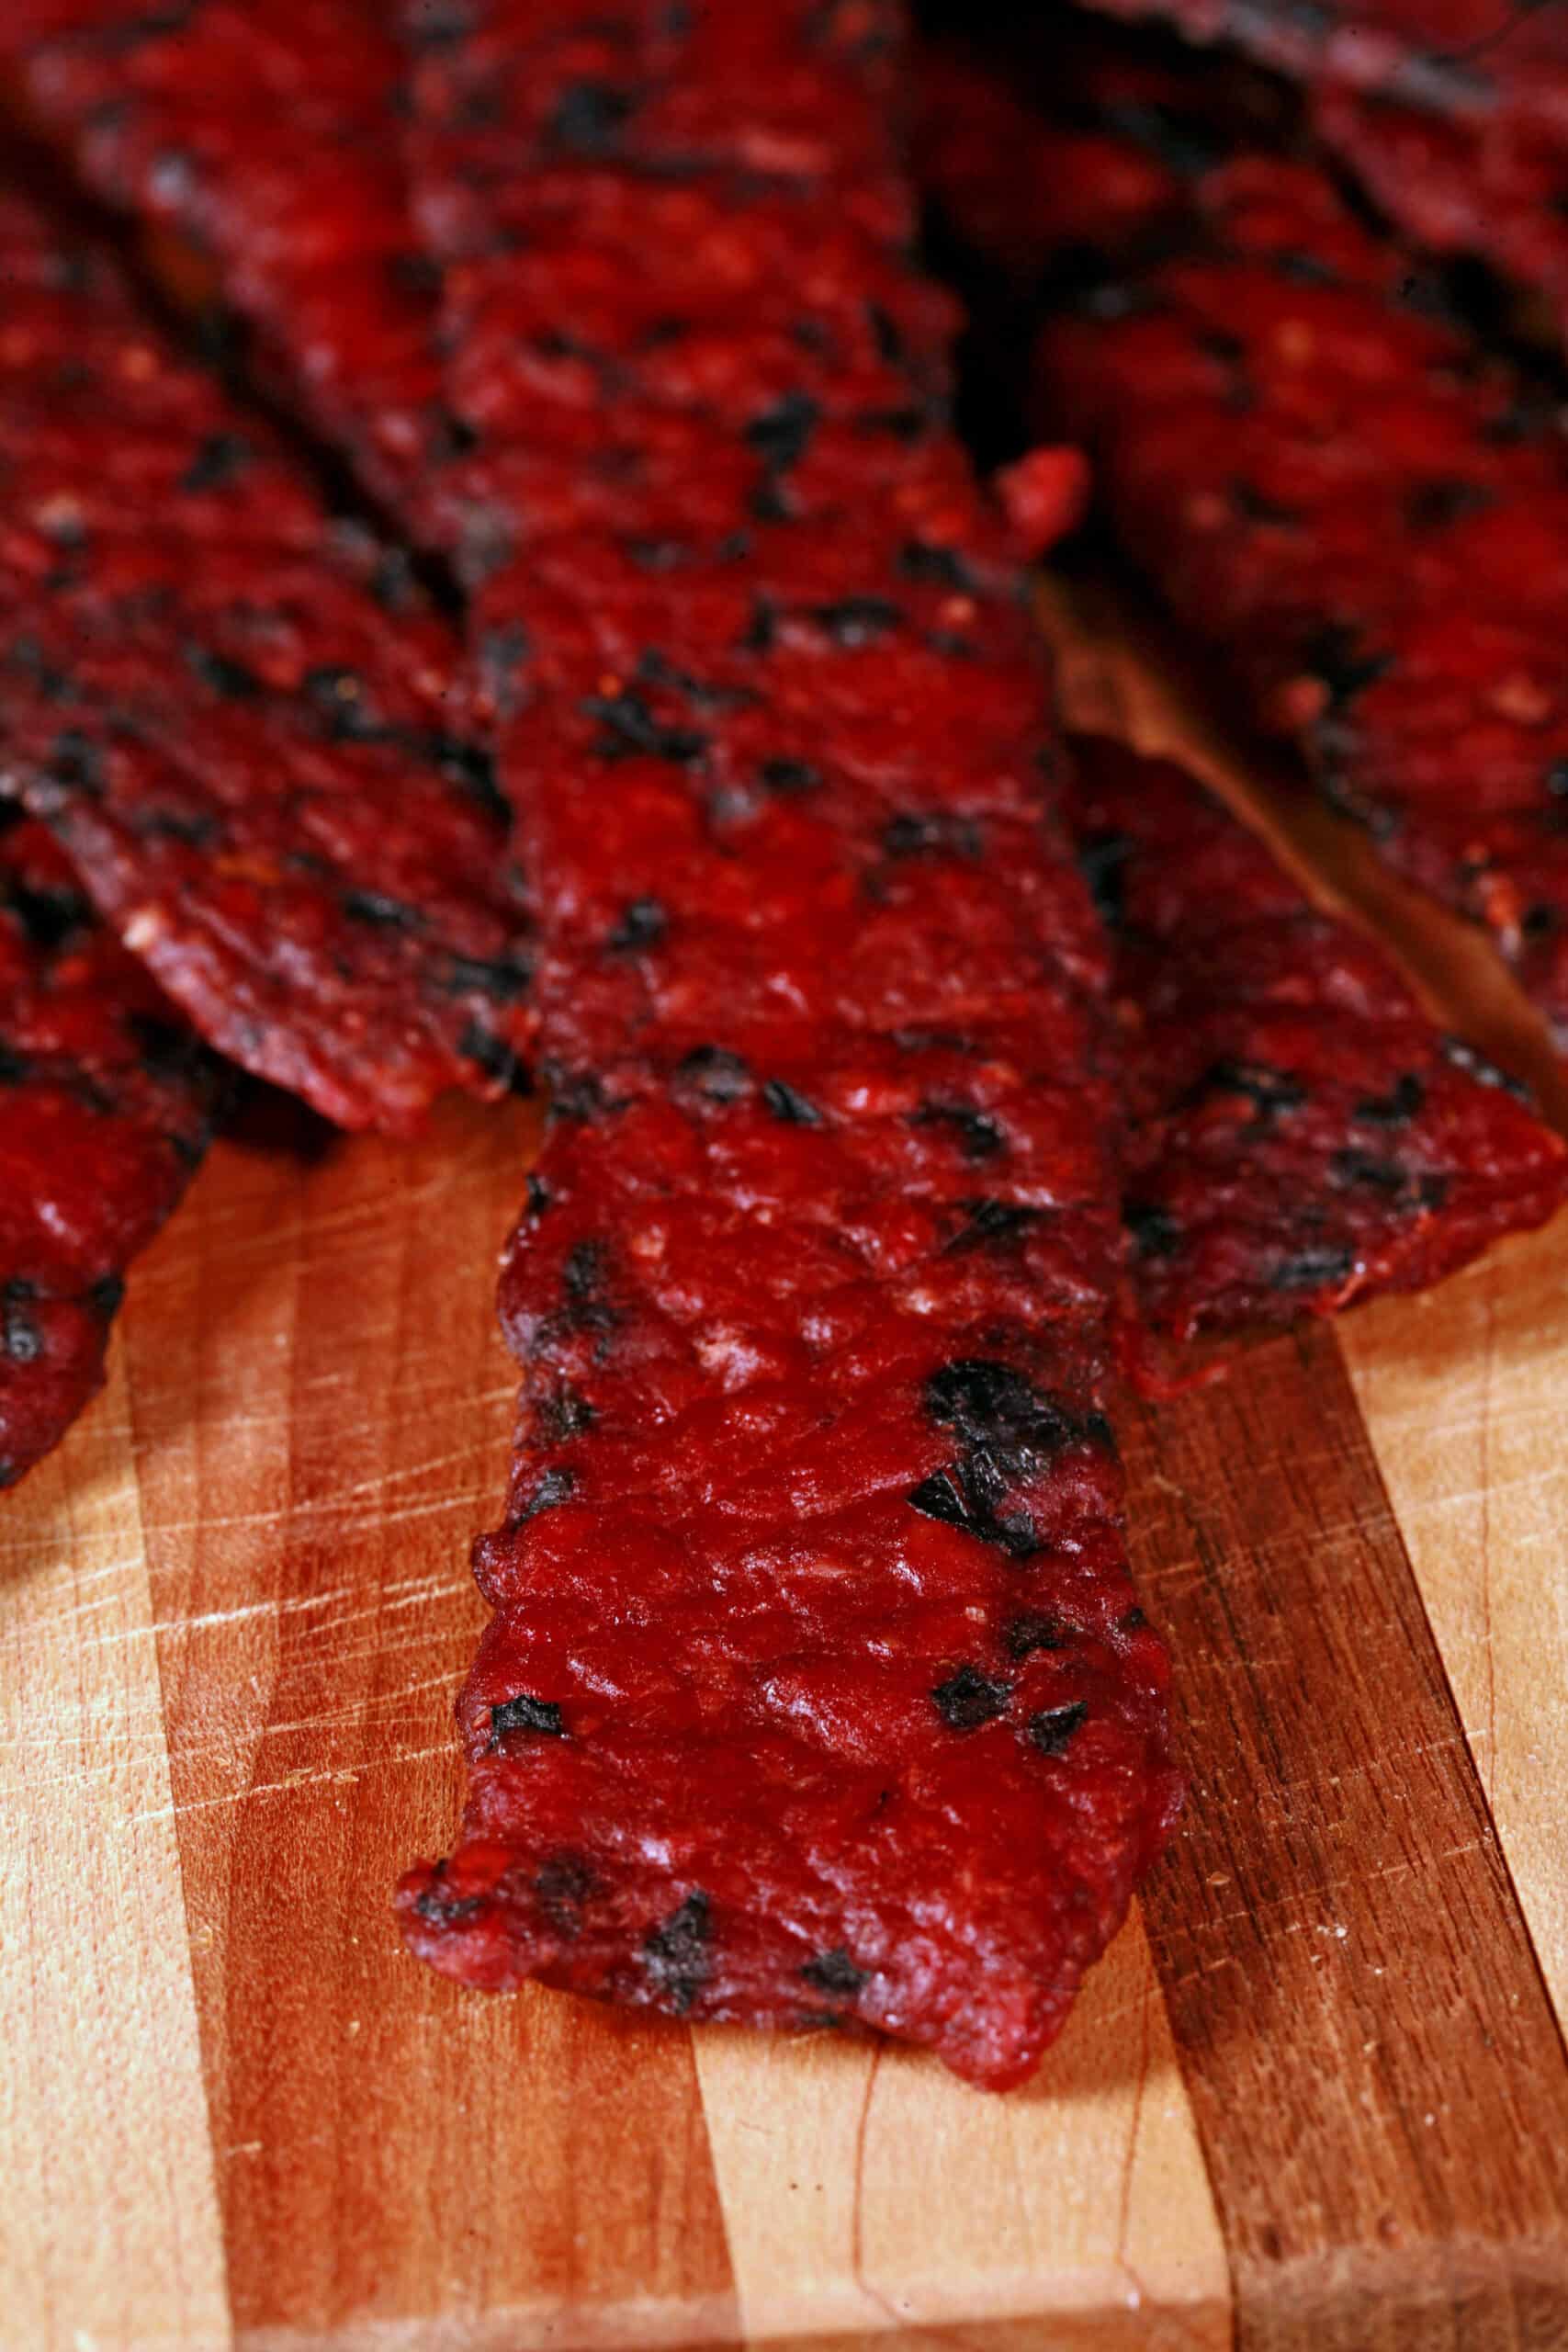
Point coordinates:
[[790, 776], [643, 924], [564, 1414], [1484, 1071], [631, 730], [105, 1296], [562, 1884], [20, 1338], [676, 1951], [451, 436], [991, 1225], [886, 334], [945, 566], [538, 1193], [220, 456], [1132, 1620], [1540, 921], [52, 685], [196, 830], [414, 273], [74, 760], [590, 116], [339, 694], [524, 1712], [857, 620], [1271, 1091], [1304, 268], [979, 1137], [835, 1972], [1102, 859], [968, 1699], [1364, 1171], [495, 1058], [794, 1109], [375, 907], [444, 1910], [1434, 505], [473, 768], [1310, 1269], [1052, 1729], [1022, 1636], [481, 976], [556, 1486], [990, 1404], [913, 836], [966, 1496], [1397, 1107], [1333, 655], [710, 1071], [578, 1095], [781, 435], [907, 423], [226, 677], [762, 629]]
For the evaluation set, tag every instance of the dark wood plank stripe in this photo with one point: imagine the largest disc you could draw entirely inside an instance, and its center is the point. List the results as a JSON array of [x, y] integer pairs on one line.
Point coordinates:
[[322, 1404], [1376, 2073]]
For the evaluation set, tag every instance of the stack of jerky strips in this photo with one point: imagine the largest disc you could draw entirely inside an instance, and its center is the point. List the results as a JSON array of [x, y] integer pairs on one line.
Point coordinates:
[[816, 1692]]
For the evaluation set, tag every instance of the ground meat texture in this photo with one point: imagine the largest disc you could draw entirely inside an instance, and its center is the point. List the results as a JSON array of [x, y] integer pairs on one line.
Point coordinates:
[[813, 1286], [105, 1105], [1299, 1134], [265, 135], [1456, 117], [1332, 482], [231, 713]]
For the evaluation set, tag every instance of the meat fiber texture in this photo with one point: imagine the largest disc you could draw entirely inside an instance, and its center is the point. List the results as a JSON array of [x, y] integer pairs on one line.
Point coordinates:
[[1299, 1134], [815, 1690], [105, 1105], [238, 718], [264, 134], [1329, 478], [1455, 116]]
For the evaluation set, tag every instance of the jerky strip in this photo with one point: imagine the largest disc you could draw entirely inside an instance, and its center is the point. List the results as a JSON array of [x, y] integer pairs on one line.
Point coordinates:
[[1332, 482], [814, 1691], [237, 717], [1455, 116], [1299, 1135], [265, 136], [106, 1107]]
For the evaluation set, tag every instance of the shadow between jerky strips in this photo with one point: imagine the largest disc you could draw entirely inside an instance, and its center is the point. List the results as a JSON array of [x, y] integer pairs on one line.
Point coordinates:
[[106, 1103], [238, 719], [814, 1691], [1335, 483]]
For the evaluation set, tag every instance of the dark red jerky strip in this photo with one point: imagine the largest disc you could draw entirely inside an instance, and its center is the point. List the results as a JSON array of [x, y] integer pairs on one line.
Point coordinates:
[[1337, 486], [1299, 1134], [105, 1105], [265, 134], [814, 1691], [1455, 116], [239, 719]]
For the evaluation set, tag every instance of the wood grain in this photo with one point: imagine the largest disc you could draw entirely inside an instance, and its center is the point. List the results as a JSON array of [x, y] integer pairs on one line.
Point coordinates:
[[1376, 2070], [836, 2165], [109, 2231], [1463, 1395]]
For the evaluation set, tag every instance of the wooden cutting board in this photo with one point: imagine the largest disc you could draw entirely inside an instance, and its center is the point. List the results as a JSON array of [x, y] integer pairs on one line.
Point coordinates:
[[1316, 2097]]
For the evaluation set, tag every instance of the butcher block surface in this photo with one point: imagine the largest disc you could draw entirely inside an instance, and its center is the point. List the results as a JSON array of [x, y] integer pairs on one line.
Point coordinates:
[[1315, 2096]]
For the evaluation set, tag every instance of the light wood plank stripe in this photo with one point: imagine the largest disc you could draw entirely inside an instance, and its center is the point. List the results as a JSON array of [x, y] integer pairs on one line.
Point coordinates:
[[324, 1405], [110, 2232], [1375, 2069], [866, 2190], [1464, 1393]]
